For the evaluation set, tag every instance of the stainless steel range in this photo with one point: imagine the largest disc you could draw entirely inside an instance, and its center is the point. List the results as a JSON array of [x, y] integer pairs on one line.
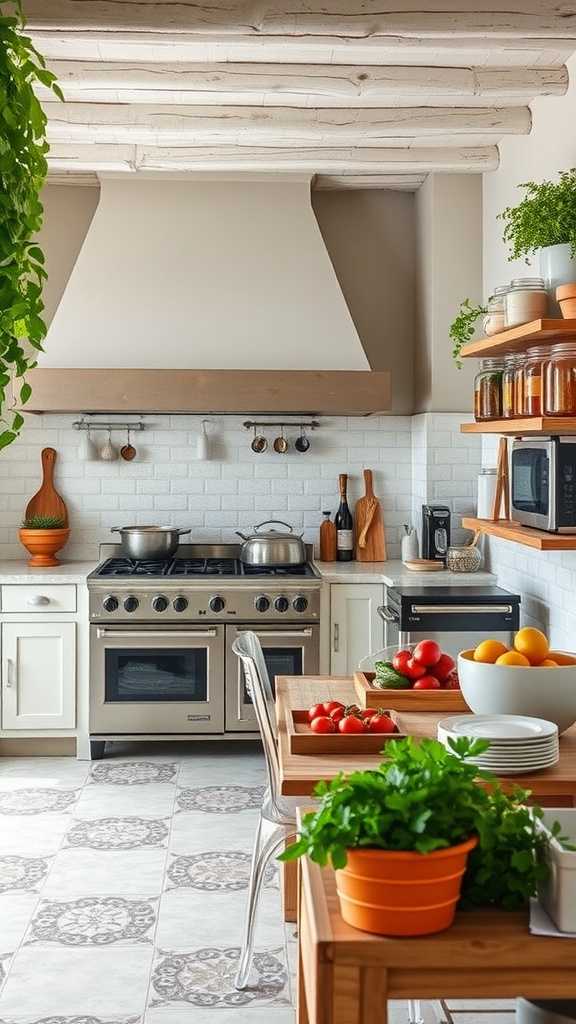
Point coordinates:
[[161, 635]]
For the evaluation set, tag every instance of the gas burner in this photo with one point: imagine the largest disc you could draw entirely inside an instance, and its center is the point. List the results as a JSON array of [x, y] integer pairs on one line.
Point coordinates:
[[205, 567], [281, 571], [129, 567], [195, 568]]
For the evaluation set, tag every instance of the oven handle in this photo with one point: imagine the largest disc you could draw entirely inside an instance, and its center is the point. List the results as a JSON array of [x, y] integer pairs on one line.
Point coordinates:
[[127, 634], [464, 609], [279, 632]]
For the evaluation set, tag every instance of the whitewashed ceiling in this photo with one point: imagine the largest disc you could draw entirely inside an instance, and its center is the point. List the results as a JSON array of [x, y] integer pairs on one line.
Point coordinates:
[[359, 93]]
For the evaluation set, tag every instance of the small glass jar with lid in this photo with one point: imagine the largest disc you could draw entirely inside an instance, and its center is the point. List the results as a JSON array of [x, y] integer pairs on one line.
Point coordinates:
[[533, 380], [495, 319], [508, 390], [488, 390], [525, 300], [559, 376]]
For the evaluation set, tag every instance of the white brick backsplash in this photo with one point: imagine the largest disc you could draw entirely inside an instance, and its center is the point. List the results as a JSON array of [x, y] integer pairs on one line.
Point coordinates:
[[170, 502], [289, 486], [185, 485]]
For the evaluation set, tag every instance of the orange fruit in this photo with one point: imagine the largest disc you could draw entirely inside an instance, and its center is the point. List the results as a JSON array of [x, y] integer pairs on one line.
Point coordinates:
[[513, 658], [532, 644], [547, 663], [561, 658], [489, 650]]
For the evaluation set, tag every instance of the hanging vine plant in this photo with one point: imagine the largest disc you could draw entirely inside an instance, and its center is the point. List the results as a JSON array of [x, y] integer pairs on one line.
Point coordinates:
[[23, 169]]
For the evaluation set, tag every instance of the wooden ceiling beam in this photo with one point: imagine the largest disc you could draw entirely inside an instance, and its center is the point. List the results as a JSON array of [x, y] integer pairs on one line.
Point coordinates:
[[343, 182], [296, 85]]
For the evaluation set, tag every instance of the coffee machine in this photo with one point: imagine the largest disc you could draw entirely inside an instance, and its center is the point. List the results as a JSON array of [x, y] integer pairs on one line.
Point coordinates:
[[435, 532]]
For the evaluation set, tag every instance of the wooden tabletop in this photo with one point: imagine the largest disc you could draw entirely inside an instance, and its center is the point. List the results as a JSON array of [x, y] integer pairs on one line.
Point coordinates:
[[301, 772]]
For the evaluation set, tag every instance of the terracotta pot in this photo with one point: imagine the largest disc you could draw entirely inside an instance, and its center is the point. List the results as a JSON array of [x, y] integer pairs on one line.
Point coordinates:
[[566, 295], [43, 545], [393, 892]]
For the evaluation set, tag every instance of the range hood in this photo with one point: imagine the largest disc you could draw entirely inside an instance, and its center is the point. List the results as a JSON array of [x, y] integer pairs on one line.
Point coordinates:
[[204, 296]]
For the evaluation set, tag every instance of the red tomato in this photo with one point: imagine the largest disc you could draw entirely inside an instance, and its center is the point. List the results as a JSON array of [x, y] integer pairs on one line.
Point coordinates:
[[322, 724], [427, 683], [400, 660], [316, 711], [331, 705], [337, 714], [443, 667], [452, 682], [351, 723], [414, 670], [427, 652], [381, 723], [368, 713]]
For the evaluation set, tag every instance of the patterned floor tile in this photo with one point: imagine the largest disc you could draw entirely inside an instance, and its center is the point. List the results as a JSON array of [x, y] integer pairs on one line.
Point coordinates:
[[5, 961], [94, 872], [214, 871], [83, 1018], [16, 911], [195, 831], [249, 1014], [111, 801], [27, 873], [118, 833], [38, 835], [220, 799], [222, 918], [27, 800], [133, 773], [204, 977], [93, 921], [66, 981]]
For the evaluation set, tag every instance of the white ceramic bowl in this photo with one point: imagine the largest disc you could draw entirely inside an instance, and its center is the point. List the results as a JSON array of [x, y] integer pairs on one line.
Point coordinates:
[[548, 693]]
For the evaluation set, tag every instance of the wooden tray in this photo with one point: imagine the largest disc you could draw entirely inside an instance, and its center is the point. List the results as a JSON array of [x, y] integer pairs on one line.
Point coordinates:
[[303, 741], [406, 700]]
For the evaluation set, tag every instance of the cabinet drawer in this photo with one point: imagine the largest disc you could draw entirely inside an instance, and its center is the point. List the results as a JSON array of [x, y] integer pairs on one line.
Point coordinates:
[[21, 597]]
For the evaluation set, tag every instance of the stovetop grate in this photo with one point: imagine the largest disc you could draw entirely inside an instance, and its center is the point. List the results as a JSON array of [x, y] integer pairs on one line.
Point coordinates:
[[192, 568]]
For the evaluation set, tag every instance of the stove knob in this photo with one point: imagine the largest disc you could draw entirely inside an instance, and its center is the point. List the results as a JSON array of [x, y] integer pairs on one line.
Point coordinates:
[[216, 604], [180, 604], [262, 603], [131, 604], [281, 604], [110, 603], [159, 603], [300, 603]]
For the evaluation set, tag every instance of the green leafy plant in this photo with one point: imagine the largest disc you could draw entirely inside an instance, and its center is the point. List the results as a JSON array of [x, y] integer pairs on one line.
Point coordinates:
[[23, 169], [43, 523], [545, 216], [424, 797], [463, 326]]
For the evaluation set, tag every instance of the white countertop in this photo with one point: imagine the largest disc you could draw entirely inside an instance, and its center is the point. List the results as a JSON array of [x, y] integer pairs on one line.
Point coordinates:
[[18, 571], [394, 573]]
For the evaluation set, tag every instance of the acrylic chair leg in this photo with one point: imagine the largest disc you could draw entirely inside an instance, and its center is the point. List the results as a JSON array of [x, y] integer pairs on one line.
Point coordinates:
[[414, 1012], [269, 839]]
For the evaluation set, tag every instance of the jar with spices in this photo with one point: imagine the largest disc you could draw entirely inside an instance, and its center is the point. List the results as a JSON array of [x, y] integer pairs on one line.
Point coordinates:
[[488, 390], [495, 320], [533, 391], [525, 300], [559, 376], [519, 385], [508, 387]]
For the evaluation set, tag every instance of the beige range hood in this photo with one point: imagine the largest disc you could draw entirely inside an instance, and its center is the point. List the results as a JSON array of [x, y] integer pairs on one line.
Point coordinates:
[[204, 296]]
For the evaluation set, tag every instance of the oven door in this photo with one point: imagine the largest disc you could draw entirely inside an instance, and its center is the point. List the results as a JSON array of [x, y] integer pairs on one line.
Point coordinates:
[[146, 680], [530, 497], [288, 651]]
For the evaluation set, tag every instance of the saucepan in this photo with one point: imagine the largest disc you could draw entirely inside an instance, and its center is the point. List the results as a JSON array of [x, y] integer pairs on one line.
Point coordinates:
[[142, 542]]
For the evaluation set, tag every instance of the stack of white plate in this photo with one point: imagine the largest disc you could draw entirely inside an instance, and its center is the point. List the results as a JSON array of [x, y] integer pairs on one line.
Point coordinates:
[[517, 743]]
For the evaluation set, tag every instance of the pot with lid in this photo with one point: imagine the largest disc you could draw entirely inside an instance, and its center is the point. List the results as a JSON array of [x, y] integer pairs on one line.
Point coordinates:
[[148, 542], [272, 547]]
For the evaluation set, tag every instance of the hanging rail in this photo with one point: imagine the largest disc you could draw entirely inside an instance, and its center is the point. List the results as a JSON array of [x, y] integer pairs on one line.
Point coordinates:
[[309, 425], [120, 425]]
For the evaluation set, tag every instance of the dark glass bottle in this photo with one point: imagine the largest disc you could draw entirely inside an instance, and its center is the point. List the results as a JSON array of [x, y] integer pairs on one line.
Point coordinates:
[[344, 525]]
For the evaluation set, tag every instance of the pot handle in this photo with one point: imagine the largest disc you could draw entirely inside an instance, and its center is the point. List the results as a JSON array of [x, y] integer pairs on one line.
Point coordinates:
[[116, 529], [279, 522], [182, 532], [239, 534]]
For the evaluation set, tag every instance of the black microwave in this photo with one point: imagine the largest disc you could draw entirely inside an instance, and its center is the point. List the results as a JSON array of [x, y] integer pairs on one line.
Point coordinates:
[[543, 489]]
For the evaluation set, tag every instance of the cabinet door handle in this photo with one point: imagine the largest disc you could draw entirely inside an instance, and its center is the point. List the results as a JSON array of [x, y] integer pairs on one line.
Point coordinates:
[[38, 599], [336, 638], [10, 673]]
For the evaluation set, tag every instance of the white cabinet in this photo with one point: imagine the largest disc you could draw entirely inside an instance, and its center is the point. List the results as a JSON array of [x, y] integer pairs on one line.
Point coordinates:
[[38, 675], [356, 629]]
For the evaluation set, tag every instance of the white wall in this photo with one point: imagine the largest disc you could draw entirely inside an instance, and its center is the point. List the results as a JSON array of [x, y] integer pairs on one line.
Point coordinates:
[[547, 581]]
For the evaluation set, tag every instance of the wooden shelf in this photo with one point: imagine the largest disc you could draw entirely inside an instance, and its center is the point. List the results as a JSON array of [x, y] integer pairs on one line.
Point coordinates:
[[526, 535], [535, 425], [517, 339]]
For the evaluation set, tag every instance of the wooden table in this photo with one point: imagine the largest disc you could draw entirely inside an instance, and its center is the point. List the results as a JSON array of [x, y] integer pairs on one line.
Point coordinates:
[[299, 773], [346, 976]]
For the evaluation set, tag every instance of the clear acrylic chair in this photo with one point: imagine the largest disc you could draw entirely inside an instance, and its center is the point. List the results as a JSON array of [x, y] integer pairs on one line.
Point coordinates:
[[278, 814]]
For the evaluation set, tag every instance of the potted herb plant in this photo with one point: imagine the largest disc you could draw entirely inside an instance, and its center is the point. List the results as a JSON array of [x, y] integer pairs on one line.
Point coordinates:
[[400, 838], [544, 223], [43, 536]]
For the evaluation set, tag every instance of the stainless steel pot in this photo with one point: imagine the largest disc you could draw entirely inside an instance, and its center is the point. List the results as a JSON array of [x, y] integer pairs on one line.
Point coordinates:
[[140, 542], [274, 547]]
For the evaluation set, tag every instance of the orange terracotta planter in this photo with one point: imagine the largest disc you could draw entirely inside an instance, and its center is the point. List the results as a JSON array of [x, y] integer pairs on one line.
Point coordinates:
[[43, 545], [392, 892], [566, 296]]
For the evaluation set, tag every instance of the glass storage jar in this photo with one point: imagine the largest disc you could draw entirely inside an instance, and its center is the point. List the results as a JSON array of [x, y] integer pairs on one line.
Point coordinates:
[[495, 319], [525, 300], [533, 380], [519, 385], [559, 375], [508, 390], [488, 390]]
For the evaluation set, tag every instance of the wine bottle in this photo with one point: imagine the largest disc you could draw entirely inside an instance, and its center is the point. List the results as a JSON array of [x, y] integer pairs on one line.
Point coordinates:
[[344, 525]]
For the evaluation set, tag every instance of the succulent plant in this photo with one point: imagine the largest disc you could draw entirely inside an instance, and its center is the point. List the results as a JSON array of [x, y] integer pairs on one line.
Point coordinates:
[[44, 523]]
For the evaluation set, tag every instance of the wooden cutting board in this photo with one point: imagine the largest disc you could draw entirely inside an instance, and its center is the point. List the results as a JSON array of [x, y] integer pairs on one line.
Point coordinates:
[[369, 525], [47, 501]]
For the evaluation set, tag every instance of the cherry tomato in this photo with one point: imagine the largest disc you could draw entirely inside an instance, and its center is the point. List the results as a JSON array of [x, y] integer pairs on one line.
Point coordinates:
[[427, 683], [322, 724], [331, 705], [337, 714], [414, 670], [351, 723], [427, 652], [400, 660], [443, 667], [368, 713], [381, 723], [316, 711]]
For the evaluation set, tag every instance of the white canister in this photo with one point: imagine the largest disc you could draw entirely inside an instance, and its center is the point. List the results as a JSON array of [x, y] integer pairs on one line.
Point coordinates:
[[409, 546], [525, 300], [486, 492]]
